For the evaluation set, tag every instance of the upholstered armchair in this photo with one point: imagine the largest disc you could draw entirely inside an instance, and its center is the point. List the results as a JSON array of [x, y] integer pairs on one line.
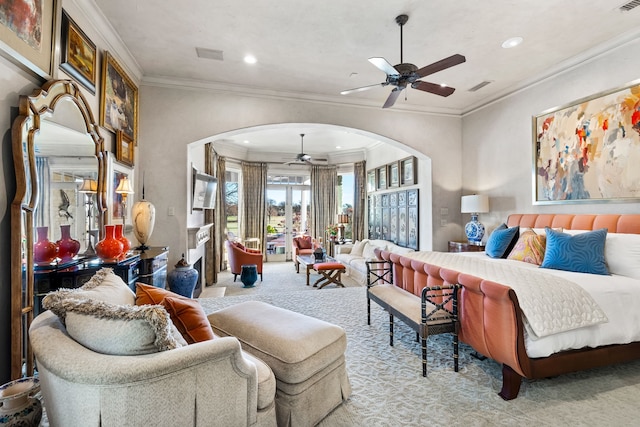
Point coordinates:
[[303, 245], [239, 255]]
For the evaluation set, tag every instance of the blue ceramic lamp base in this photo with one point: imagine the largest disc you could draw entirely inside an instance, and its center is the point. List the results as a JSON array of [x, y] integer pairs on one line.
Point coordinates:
[[474, 230]]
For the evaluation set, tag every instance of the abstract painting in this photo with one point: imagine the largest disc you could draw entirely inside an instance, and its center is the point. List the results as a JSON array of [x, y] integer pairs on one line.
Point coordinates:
[[585, 152]]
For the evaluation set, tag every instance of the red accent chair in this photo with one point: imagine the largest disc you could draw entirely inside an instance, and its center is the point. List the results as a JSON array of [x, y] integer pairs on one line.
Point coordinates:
[[239, 255], [303, 245]]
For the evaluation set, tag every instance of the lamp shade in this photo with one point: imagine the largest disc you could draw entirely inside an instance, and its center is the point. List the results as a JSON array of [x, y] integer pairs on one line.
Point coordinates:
[[124, 187], [343, 219], [475, 203], [88, 186]]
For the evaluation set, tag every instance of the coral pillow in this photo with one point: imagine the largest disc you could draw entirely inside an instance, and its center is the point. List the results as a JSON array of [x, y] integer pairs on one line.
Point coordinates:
[[529, 248], [582, 253], [501, 241], [189, 317], [186, 314]]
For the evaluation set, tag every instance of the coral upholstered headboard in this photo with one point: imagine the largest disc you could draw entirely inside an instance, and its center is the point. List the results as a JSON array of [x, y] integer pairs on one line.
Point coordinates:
[[614, 223]]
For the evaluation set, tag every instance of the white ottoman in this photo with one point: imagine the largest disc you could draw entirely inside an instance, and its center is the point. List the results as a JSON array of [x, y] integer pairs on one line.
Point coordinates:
[[306, 355]]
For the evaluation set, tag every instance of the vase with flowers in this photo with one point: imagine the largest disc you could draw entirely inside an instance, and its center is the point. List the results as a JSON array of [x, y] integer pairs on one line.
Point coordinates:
[[332, 231]]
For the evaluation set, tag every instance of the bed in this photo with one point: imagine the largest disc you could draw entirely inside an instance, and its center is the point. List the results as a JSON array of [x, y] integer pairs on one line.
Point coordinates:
[[491, 318]]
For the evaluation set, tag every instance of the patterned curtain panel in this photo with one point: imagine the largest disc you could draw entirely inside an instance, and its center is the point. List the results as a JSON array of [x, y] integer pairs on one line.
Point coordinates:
[[254, 206], [213, 248], [324, 180], [359, 200]]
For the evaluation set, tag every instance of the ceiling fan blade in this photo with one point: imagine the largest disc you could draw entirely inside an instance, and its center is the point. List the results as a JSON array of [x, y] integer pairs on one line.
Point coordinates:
[[384, 65], [433, 88], [392, 97], [441, 65], [360, 89]]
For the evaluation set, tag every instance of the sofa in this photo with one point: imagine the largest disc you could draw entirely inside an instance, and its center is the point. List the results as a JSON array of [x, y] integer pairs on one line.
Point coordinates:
[[354, 256], [104, 361]]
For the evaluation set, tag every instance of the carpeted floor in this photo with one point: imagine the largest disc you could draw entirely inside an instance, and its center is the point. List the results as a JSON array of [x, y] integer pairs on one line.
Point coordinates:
[[388, 389]]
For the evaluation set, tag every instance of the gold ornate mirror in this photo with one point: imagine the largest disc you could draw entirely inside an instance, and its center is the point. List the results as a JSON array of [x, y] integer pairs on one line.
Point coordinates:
[[55, 141]]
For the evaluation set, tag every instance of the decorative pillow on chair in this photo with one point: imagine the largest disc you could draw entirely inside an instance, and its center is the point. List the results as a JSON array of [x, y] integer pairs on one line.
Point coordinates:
[[582, 253], [529, 248], [304, 242], [501, 241], [186, 314], [113, 329]]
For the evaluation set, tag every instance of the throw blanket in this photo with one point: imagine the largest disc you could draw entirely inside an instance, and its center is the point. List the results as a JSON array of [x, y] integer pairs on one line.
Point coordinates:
[[550, 304]]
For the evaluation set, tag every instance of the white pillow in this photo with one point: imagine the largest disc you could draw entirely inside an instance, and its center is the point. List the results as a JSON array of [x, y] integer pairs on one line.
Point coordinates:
[[622, 254], [105, 286], [369, 251], [358, 247]]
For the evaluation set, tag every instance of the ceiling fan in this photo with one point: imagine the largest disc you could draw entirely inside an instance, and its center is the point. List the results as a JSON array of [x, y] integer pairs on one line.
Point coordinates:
[[303, 158], [404, 74]]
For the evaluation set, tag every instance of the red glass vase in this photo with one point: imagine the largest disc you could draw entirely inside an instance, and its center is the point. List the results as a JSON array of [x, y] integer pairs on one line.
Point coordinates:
[[126, 244], [67, 246], [44, 250], [110, 248]]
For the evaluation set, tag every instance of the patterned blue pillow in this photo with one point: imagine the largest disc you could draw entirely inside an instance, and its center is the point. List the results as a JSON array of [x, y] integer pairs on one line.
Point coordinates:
[[501, 241], [582, 253]]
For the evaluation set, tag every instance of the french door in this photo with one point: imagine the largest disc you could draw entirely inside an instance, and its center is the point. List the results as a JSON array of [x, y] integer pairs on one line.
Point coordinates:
[[287, 216]]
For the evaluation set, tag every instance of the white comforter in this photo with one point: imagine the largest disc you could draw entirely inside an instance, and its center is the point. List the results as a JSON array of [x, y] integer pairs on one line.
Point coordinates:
[[618, 296]]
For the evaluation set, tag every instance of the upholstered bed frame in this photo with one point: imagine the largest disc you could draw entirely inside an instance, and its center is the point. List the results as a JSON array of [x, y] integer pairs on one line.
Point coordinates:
[[490, 316]]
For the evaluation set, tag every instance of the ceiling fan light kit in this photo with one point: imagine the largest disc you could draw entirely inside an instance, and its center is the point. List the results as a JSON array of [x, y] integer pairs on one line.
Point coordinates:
[[303, 158], [406, 74]]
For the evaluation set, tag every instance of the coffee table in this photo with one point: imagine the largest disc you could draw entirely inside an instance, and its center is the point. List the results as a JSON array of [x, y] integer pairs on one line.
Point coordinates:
[[308, 260]]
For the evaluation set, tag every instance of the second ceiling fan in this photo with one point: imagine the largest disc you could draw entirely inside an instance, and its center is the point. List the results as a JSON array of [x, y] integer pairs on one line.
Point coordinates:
[[405, 74]]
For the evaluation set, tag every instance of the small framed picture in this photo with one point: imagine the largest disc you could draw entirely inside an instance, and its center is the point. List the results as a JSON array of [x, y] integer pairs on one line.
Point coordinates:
[[381, 175], [408, 171], [78, 54], [394, 175], [124, 149], [371, 180], [117, 203]]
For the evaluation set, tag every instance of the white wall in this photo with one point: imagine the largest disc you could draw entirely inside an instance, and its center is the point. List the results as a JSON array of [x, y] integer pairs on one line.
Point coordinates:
[[172, 117], [498, 139]]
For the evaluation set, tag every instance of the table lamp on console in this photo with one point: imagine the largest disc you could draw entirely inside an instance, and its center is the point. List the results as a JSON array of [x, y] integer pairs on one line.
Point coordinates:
[[474, 204]]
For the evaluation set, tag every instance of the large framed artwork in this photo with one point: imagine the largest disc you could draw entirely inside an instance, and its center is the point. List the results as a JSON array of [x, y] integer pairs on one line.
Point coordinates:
[[118, 99], [588, 151], [28, 34], [78, 54]]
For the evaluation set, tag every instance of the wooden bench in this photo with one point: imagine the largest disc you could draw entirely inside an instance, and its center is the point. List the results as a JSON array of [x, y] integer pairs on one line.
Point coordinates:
[[434, 312]]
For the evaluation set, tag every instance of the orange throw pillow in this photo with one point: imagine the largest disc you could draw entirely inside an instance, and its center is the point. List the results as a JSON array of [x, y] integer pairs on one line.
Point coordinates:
[[186, 314], [189, 317]]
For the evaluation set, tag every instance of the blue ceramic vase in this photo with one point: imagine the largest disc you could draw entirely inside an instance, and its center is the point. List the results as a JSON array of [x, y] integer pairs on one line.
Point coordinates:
[[249, 275], [182, 280]]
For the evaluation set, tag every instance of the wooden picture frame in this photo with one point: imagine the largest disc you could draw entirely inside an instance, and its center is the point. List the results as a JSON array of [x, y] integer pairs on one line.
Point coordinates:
[[583, 151], [32, 47], [124, 149], [118, 99], [371, 181], [408, 171], [381, 178], [78, 54], [394, 174], [115, 172]]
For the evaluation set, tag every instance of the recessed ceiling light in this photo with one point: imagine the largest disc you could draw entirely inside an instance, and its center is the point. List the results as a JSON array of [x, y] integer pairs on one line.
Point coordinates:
[[250, 59], [338, 147], [512, 42], [245, 141]]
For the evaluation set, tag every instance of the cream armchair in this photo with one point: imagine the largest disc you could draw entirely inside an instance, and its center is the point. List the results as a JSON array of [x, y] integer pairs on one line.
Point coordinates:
[[210, 383]]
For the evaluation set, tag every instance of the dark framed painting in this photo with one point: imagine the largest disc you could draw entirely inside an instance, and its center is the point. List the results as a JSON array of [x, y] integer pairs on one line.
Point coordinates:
[[381, 178], [124, 149], [371, 180], [394, 174], [584, 151], [28, 34], [78, 54], [118, 99], [408, 171]]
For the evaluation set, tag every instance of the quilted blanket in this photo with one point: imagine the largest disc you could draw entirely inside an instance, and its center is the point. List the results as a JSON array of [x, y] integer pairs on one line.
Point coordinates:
[[550, 304]]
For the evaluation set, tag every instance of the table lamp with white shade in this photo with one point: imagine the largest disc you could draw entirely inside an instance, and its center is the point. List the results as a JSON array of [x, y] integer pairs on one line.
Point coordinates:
[[474, 204]]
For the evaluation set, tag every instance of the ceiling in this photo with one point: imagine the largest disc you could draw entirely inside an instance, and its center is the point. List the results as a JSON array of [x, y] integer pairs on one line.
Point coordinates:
[[314, 50]]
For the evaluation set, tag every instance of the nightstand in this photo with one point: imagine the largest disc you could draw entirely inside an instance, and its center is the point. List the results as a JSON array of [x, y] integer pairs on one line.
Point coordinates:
[[465, 247]]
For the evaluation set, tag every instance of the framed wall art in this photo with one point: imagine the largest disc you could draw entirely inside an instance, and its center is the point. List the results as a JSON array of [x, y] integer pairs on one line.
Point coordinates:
[[78, 54], [408, 171], [118, 99], [394, 174], [115, 173], [381, 177], [371, 180], [28, 34], [587, 151], [124, 149]]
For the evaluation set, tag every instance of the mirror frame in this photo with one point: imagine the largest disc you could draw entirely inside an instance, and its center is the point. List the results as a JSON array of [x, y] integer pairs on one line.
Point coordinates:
[[32, 110]]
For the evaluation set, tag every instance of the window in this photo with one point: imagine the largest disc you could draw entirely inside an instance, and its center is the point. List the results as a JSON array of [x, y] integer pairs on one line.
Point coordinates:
[[232, 191]]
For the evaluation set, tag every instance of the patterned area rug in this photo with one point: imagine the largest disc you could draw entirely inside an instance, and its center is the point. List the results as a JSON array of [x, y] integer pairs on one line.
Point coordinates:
[[389, 390]]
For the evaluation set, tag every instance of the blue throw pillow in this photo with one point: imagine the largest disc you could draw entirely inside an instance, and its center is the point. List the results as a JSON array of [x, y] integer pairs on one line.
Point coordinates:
[[501, 241], [582, 253]]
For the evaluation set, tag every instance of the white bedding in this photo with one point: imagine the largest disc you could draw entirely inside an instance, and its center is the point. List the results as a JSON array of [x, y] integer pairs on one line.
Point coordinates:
[[618, 296]]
